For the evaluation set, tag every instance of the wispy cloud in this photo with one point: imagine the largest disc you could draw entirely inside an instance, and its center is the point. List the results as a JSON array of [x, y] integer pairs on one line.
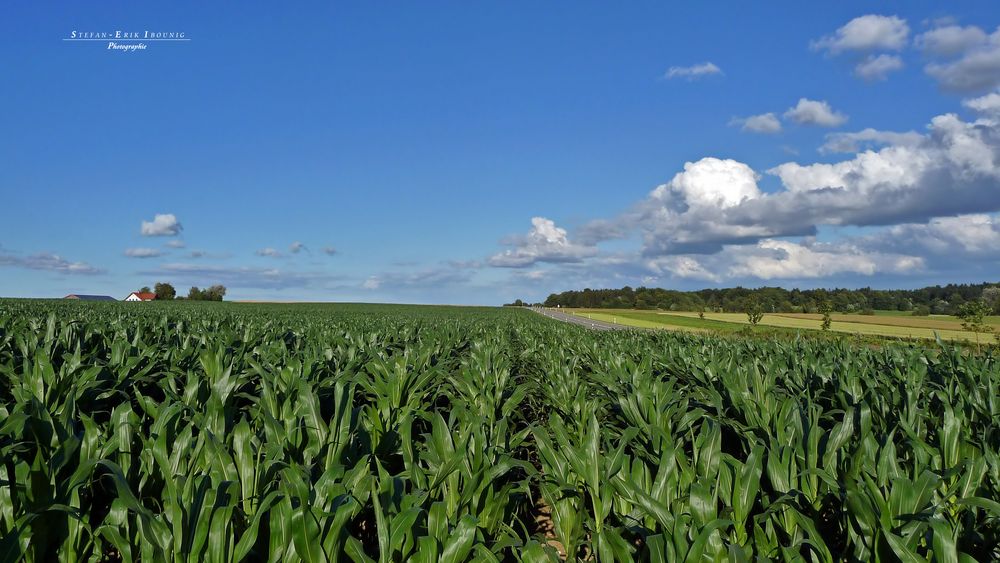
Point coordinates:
[[48, 262], [868, 138], [207, 254], [247, 277], [143, 252], [692, 72], [431, 278]]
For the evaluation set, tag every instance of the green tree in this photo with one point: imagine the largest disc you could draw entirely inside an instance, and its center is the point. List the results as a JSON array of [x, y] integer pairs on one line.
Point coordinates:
[[145, 289], [754, 310], [214, 293], [991, 295], [973, 315], [826, 308], [164, 291]]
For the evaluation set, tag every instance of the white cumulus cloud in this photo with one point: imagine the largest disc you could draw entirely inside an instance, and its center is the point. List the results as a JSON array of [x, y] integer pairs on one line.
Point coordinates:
[[712, 182], [684, 267], [815, 112], [973, 235], [950, 40], [763, 123], [953, 168], [545, 242], [990, 103], [878, 67], [782, 259], [684, 215], [927, 199], [162, 225], [893, 166], [867, 33], [968, 60]]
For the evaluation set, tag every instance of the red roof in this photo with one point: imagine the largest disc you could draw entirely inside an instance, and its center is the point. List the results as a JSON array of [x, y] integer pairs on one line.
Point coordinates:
[[144, 296]]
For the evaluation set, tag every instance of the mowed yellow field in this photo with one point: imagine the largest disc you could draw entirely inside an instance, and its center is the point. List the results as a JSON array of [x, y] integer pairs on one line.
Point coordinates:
[[939, 322], [871, 325]]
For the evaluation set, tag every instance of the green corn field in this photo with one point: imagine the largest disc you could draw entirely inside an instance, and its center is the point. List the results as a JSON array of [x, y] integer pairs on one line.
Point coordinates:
[[251, 432]]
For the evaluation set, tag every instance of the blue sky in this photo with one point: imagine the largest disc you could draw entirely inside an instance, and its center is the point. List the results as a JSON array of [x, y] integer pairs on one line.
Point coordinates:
[[456, 152]]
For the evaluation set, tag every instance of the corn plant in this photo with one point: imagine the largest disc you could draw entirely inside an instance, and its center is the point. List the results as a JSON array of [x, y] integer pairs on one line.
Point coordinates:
[[376, 433]]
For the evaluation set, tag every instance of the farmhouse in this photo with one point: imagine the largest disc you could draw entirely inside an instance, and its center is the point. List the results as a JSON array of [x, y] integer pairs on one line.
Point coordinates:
[[83, 297], [137, 296]]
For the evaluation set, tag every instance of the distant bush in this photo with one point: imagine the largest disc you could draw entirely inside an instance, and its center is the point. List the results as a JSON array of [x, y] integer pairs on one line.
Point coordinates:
[[921, 311], [868, 311]]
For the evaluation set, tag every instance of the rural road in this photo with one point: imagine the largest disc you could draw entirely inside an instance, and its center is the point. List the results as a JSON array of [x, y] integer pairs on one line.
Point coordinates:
[[573, 319]]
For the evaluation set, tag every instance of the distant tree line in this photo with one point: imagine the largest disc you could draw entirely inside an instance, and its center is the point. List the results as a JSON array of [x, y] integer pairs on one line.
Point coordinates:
[[166, 292], [936, 299], [519, 303]]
